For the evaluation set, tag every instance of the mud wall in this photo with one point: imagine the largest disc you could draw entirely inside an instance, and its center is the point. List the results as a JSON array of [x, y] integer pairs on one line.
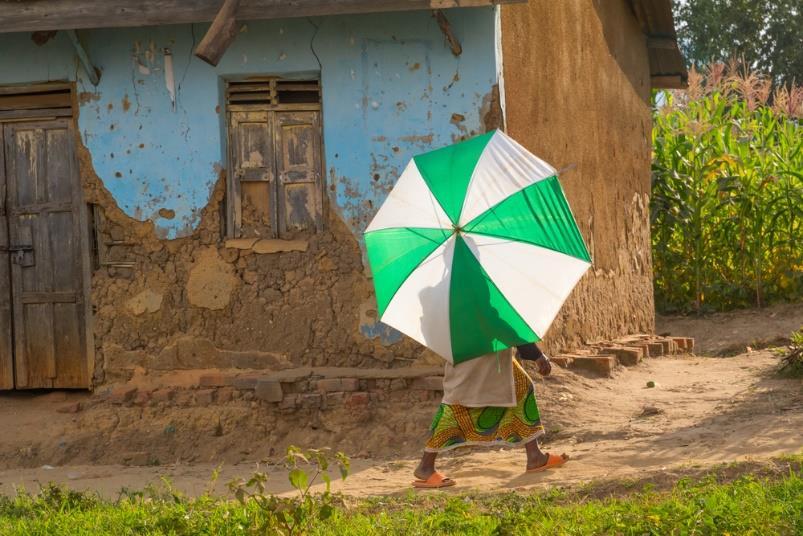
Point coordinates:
[[577, 85]]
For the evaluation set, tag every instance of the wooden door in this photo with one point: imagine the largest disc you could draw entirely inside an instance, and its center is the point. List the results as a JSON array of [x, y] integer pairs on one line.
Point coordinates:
[[47, 236], [298, 148]]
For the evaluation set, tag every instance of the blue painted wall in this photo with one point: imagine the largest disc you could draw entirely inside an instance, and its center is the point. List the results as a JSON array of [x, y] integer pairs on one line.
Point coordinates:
[[390, 89]]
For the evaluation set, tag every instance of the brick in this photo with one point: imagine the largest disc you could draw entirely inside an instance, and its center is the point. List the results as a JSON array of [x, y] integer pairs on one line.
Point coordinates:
[[601, 365], [269, 391], [428, 383], [311, 400], [122, 395], [338, 384], [142, 398], [225, 394], [628, 357], [357, 399], [72, 407], [216, 379], [183, 398], [289, 402], [564, 361], [246, 381], [163, 395], [656, 349], [205, 397], [333, 399]]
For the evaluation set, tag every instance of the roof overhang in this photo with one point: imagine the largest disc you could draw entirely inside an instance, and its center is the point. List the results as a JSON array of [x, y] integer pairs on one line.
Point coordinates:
[[47, 15], [667, 66]]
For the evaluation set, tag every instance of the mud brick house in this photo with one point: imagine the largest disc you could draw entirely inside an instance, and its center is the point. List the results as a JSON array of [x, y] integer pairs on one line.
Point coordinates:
[[159, 212]]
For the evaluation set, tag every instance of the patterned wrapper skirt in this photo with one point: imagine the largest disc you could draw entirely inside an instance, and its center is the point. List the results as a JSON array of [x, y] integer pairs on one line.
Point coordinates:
[[459, 426]]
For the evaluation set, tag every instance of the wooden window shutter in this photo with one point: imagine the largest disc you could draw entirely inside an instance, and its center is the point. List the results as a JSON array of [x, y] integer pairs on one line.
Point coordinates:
[[275, 161]]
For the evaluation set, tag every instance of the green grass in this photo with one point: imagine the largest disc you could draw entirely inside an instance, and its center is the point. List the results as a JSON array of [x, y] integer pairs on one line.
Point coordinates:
[[766, 504]]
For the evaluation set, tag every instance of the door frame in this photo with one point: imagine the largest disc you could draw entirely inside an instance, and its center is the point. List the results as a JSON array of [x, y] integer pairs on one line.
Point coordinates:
[[70, 114]]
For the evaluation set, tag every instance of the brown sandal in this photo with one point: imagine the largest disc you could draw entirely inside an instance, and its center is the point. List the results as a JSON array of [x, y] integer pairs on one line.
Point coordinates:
[[552, 462], [435, 480]]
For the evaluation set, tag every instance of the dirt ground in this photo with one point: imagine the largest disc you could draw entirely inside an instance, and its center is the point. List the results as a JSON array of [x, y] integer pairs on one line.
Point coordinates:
[[703, 411]]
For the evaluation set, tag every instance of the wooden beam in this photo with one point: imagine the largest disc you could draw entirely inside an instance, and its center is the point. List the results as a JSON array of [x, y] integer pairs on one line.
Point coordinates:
[[446, 28], [220, 35], [667, 81], [91, 72], [662, 42], [41, 15]]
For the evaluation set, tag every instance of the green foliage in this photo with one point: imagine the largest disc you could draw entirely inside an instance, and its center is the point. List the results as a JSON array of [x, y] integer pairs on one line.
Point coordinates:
[[270, 514], [727, 193], [748, 505], [768, 34]]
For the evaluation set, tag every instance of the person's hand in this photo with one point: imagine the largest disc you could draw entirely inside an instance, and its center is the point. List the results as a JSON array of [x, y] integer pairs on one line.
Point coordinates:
[[544, 365]]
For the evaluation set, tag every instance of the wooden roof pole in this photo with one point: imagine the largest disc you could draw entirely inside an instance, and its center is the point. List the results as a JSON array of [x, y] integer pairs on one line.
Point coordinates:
[[220, 35], [90, 69]]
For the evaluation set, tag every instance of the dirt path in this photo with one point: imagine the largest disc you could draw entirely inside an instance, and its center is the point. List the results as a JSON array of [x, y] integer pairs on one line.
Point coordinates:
[[704, 411]]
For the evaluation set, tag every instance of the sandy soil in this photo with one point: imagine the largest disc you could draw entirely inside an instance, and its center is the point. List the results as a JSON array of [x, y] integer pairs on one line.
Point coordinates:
[[730, 333], [703, 411]]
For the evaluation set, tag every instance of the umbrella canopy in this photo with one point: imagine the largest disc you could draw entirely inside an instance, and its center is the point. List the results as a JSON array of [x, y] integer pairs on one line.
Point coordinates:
[[475, 249]]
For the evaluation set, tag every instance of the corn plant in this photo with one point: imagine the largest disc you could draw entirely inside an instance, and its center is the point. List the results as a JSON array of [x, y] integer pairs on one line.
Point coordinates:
[[727, 193]]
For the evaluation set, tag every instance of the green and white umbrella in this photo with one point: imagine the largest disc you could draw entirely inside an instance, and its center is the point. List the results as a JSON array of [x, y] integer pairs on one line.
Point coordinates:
[[475, 249]]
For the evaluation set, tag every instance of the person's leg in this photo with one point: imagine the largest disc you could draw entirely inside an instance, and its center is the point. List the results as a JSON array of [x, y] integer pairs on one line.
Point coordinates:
[[426, 467], [535, 456]]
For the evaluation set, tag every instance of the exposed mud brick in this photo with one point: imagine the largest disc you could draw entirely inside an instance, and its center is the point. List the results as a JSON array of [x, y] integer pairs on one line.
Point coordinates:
[[72, 407], [428, 383], [684, 344], [666, 346], [163, 395], [357, 399], [183, 398], [311, 400], [216, 379], [628, 357], [205, 397], [269, 391], [122, 394], [247, 381], [225, 394], [338, 384], [398, 384], [331, 400], [656, 349], [563, 361], [601, 365], [142, 398], [289, 402]]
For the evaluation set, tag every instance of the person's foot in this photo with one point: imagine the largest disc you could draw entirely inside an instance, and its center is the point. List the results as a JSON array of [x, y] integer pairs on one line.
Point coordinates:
[[423, 473], [540, 460], [537, 460]]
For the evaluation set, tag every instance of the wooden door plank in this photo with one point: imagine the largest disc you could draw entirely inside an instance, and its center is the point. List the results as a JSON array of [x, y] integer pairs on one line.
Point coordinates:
[[6, 355], [299, 171]]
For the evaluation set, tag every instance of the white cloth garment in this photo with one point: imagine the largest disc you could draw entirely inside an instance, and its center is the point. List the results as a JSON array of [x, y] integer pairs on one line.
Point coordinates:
[[484, 381]]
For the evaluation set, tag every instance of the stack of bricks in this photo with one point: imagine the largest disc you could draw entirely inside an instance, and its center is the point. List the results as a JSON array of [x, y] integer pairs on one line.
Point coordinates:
[[602, 358]]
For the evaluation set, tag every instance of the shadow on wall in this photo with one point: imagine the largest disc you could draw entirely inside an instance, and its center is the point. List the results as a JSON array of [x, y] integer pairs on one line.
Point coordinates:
[[619, 26]]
